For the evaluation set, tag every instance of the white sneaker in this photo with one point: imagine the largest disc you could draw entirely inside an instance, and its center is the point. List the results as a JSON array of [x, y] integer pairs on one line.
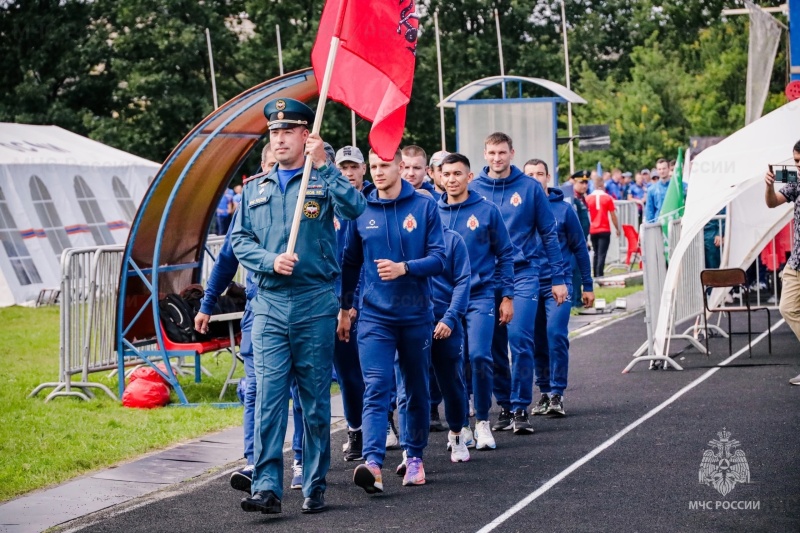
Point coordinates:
[[467, 436], [484, 437], [458, 450], [391, 438], [795, 380]]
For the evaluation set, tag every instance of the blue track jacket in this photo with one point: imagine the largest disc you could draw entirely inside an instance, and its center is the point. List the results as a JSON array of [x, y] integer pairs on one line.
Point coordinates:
[[525, 210], [491, 253], [405, 229], [222, 274], [451, 287], [571, 239]]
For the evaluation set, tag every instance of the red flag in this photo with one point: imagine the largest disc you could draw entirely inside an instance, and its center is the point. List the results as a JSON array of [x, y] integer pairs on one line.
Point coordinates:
[[374, 68]]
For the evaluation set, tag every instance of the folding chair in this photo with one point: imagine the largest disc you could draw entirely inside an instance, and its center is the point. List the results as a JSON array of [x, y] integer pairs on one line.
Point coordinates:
[[731, 277], [634, 250]]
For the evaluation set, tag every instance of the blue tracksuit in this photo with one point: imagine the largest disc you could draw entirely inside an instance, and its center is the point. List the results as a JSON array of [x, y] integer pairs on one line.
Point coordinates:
[[345, 354], [450, 299], [295, 316], [526, 212], [551, 337], [491, 256], [396, 316]]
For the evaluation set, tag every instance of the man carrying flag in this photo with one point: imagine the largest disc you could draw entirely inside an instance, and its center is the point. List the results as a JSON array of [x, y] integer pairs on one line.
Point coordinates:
[[295, 307]]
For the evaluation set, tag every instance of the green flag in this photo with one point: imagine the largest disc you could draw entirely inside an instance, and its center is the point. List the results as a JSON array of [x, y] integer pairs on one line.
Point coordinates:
[[674, 201]]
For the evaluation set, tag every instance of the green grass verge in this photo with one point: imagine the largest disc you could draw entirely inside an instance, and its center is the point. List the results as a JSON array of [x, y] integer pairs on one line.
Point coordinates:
[[46, 443], [610, 294]]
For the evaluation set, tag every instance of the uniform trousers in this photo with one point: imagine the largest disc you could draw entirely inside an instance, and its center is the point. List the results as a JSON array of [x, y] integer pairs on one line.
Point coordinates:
[[293, 337]]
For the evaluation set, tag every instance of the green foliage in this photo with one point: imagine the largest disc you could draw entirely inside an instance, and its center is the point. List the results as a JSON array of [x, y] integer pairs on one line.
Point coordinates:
[[135, 74]]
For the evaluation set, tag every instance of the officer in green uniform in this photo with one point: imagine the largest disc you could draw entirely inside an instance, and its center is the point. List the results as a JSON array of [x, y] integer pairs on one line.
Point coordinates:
[[296, 305]]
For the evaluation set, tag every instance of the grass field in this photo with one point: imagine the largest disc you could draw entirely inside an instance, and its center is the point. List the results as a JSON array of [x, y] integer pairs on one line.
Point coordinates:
[[46, 443]]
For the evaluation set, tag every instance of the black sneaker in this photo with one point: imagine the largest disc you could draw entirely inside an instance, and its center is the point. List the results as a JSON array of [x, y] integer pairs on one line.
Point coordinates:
[[436, 422], [504, 421], [556, 406], [355, 445], [243, 479], [655, 365], [522, 426], [541, 406]]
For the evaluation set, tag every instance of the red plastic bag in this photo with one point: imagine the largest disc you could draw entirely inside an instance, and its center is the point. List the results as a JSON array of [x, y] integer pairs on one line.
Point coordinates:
[[144, 394], [147, 373]]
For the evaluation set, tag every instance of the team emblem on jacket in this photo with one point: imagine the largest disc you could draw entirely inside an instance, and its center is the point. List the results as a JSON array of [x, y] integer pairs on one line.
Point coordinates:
[[410, 223], [336, 224], [516, 199], [473, 223], [311, 209]]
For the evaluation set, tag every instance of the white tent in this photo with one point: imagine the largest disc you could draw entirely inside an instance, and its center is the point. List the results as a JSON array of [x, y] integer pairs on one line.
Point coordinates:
[[732, 173], [60, 190]]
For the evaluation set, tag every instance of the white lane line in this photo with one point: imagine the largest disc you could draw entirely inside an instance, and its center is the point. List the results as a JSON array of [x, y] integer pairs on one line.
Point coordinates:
[[594, 453]]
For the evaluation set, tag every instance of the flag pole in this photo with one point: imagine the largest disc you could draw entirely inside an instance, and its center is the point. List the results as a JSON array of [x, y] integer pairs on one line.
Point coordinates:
[[353, 127], [500, 50], [569, 104], [211, 66], [439, 62], [280, 48], [323, 98]]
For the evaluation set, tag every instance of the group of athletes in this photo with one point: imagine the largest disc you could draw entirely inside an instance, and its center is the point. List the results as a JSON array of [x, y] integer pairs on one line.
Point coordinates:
[[415, 293]]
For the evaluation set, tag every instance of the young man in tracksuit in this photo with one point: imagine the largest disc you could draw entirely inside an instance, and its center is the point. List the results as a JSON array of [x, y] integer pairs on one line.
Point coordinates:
[[450, 299], [551, 337], [351, 164], [491, 255], [525, 210], [415, 170], [400, 244]]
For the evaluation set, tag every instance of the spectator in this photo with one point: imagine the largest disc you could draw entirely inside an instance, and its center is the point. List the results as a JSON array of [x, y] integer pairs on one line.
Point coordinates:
[[790, 296], [657, 192], [237, 197], [613, 184], [625, 185], [713, 233], [636, 191], [601, 207], [224, 212]]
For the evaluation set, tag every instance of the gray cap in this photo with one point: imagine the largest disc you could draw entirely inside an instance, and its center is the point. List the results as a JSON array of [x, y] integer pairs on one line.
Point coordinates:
[[349, 153], [626, 174], [438, 157], [645, 171]]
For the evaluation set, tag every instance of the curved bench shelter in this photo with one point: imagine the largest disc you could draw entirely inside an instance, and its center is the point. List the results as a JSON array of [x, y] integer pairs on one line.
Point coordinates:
[[165, 248]]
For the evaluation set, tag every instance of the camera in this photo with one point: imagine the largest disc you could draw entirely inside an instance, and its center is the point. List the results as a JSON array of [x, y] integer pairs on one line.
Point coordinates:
[[785, 174]]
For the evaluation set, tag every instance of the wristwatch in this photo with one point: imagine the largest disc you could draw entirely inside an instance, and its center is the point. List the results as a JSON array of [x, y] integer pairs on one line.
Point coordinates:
[[405, 266]]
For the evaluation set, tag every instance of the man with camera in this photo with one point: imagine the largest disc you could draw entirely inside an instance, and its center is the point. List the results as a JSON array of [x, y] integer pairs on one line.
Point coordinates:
[[790, 296]]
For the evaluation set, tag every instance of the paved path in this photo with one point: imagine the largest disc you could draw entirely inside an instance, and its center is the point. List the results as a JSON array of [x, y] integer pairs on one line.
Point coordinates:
[[646, 479]]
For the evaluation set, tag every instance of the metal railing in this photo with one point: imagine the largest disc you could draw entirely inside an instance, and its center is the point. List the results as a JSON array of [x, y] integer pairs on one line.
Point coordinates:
[[627, 215], [88, 313], [688, 294]]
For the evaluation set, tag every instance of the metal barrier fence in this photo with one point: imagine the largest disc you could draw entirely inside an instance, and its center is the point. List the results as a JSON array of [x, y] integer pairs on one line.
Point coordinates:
[[688, 295], [628, 215], [88, 313]]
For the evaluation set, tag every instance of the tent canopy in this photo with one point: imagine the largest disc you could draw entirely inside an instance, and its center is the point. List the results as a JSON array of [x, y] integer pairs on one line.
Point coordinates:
[[731, 174], [59, 190]]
